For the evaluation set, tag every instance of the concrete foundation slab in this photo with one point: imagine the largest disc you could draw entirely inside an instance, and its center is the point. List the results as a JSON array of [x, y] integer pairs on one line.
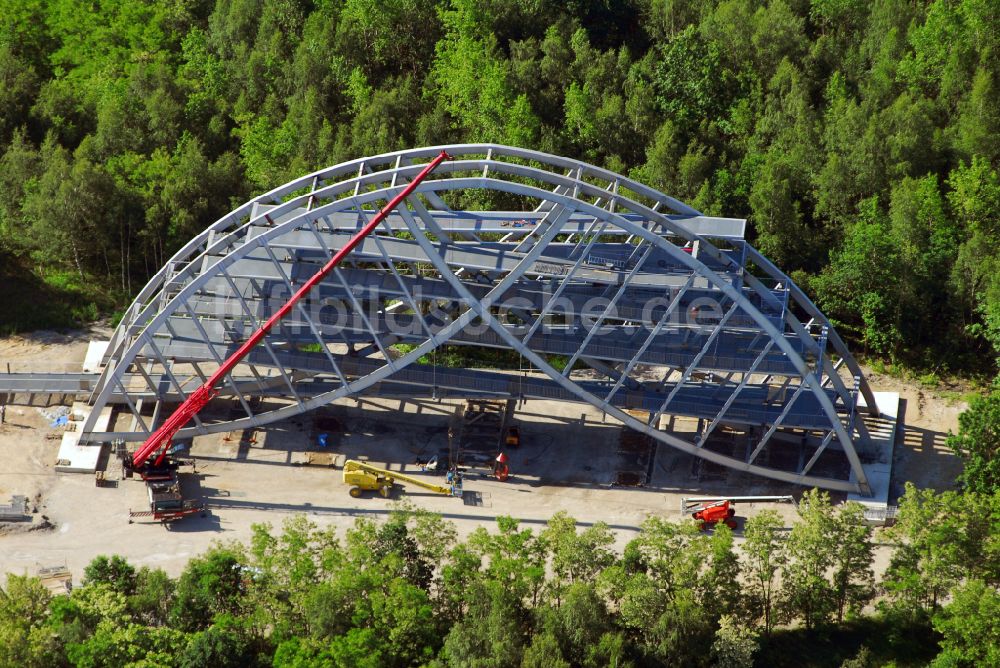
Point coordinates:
[[76, 458], [95, 352], [882, 433]]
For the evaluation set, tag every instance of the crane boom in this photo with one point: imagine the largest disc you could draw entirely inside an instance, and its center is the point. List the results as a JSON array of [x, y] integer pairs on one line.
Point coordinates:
[[160, 440]]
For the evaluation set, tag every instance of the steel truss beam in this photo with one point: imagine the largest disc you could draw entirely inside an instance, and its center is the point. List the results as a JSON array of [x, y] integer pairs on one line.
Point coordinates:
[[593, 237]]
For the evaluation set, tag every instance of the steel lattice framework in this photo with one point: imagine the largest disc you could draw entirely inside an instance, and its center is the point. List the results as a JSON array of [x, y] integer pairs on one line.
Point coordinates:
[[611, 293]]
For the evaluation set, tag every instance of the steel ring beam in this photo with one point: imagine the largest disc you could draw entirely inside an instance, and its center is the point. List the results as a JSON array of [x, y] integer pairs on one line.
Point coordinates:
[[570, 231]]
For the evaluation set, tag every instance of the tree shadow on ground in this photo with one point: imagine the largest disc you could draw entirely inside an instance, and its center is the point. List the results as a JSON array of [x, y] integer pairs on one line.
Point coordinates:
[[887, 640], [921, 456]]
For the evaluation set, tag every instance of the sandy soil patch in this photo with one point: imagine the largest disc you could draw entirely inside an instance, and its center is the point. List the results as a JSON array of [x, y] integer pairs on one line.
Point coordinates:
[[270, 479]]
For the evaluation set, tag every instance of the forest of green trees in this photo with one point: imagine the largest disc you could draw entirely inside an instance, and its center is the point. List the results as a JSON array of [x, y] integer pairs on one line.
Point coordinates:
[[860, 138], [404, 592]]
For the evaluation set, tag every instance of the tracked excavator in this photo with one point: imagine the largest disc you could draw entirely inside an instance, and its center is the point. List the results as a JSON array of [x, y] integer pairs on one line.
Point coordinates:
[[365, 477]]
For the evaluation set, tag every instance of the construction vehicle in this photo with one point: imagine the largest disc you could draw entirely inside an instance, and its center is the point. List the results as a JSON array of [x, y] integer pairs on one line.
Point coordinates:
[[160, 441], [166, 503], [710, 514], [152, 455], [367, 478]]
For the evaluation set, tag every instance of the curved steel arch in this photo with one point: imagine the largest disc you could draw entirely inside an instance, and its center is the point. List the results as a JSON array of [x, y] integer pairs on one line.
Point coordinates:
[[584, 234]]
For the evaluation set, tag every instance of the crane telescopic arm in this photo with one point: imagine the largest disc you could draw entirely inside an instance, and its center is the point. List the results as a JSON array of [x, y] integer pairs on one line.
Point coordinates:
[[160, 440]]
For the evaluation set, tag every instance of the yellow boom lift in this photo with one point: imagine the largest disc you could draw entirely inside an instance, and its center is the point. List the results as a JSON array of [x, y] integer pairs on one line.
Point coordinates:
[[365, 477]]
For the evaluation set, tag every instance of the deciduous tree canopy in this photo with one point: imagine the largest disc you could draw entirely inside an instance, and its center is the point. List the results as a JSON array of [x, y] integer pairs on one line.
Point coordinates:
[[402, 591], [861, 139]]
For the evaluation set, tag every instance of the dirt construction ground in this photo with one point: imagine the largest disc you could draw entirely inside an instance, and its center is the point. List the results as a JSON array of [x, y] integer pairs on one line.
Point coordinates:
[[567, 461]]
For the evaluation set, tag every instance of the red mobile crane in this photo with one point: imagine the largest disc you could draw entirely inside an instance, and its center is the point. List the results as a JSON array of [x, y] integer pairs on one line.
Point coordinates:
[[161, 439]]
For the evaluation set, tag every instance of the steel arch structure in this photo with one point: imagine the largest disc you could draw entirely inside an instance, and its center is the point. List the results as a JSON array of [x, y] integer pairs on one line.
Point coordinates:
[[612, 294]]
